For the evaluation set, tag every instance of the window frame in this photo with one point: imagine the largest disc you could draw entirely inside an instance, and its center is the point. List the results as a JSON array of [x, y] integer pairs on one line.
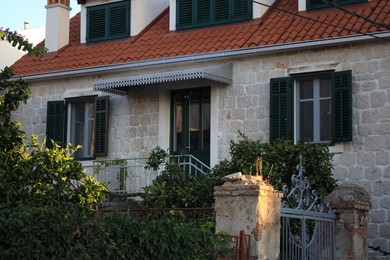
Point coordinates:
[[316, 99], [283, 105], [69, 102], [105, 32], [318, 4], [58, 123], [187, 15]]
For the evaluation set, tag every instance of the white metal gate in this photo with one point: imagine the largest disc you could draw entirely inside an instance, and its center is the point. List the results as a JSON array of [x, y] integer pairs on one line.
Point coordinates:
[[308, 224]]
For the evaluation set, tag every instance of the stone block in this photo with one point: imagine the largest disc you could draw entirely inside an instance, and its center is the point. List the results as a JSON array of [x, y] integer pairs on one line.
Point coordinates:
[[384, 202], [377, 216]]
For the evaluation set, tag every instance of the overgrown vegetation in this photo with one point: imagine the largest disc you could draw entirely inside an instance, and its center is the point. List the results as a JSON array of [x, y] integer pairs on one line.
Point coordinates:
[[283, 156], [173, 188], [118, 238], [45, 193]]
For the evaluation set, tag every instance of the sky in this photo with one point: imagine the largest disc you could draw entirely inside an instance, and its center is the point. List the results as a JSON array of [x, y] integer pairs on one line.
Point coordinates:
[[33, 11]]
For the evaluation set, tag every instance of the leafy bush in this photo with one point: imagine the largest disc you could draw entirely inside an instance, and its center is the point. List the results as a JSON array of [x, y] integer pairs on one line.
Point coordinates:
[[117, 236], [283, 157], [174, 188], [45, 193]]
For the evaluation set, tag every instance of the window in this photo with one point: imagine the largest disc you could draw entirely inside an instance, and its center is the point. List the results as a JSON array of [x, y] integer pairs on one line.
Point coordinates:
[[200, 13], [108, 22], [86, 124], [319, 4], [312, 107]]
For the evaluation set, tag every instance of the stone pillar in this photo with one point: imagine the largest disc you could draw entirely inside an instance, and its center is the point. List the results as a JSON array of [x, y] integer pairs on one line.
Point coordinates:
[[247, 203], [351, 203]]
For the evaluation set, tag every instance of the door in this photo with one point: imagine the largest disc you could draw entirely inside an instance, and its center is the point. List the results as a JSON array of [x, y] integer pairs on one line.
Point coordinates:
[[190, 123]]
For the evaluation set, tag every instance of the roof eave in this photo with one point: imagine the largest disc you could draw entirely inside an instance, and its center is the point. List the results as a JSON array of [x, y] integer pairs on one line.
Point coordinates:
[[258, 50]]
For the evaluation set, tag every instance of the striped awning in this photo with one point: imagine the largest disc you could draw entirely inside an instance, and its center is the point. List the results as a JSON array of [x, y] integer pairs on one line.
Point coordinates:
[[220, 73]]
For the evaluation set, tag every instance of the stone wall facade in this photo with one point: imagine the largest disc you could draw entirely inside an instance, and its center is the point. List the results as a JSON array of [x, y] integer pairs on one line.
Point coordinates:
[[135, 125]]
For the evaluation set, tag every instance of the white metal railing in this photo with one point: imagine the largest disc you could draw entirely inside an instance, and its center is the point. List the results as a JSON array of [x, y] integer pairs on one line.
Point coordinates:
[[191, 165], [131, 175]]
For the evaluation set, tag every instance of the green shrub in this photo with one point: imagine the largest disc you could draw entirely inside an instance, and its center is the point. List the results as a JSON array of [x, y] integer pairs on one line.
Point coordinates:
[[117, 236], [45, 193], [283, 157]]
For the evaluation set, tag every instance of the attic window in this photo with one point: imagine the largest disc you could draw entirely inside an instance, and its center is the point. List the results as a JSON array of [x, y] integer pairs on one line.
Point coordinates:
[[108, 21], [201, 13], [319, 4]]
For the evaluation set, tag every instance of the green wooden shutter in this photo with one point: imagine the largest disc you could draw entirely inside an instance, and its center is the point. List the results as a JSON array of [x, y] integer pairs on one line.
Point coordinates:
[[108, 22], [229, 11], [118, 20], [316, 4], [222, 11], [203, 12], [96, 24], [101, 126], [184, 14], [347, 2], [241, 10], [342, 106], [200, 13], [281, 108], [55, 122]]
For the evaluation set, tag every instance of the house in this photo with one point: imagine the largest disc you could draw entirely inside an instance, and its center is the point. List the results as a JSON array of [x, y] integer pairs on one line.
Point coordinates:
[[11, 54], [122, 77]]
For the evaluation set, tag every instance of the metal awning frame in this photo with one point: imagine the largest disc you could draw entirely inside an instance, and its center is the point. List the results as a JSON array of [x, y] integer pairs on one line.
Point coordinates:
[[219, 73]]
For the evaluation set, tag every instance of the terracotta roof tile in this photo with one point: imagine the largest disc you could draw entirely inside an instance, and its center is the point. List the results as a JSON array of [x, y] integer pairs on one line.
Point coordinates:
[[156, 41]]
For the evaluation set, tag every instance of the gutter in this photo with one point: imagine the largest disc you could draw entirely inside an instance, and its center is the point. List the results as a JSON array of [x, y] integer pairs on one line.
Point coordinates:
[[258, 50]]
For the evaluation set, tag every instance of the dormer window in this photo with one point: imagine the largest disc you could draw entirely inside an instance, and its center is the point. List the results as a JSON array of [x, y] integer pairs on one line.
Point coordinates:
[[319, 4], [108, 21], [201, 13]]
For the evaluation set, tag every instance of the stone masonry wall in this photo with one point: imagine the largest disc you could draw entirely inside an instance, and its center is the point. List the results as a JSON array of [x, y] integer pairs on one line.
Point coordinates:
[[244, 106]]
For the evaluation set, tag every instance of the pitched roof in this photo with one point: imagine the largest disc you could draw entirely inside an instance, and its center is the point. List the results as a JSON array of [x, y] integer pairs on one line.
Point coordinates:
[[156, 41]]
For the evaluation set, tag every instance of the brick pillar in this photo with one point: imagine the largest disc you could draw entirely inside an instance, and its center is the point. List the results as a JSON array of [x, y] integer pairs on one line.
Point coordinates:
[[351, 203], [247, 203]]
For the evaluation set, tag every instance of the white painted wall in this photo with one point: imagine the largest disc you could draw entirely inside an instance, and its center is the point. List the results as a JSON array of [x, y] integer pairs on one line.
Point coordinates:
[[259, 10], [57, 26], [11, 54], [143, 12]]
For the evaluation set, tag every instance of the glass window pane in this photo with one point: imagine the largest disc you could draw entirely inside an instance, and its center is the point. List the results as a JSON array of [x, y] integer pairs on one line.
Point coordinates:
[[77, 126], [194, 121], [91, 130], [82, 127], [306, 121], [178, 124], [206, 121], [306, 89], [325, 88], [325, 120]]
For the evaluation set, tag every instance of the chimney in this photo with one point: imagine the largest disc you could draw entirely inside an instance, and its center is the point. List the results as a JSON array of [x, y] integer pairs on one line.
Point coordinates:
[[26, 25], [57, 24]]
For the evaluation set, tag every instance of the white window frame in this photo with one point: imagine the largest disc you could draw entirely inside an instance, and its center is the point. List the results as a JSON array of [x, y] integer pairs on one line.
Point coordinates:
[[86, 152], [316, 109]]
